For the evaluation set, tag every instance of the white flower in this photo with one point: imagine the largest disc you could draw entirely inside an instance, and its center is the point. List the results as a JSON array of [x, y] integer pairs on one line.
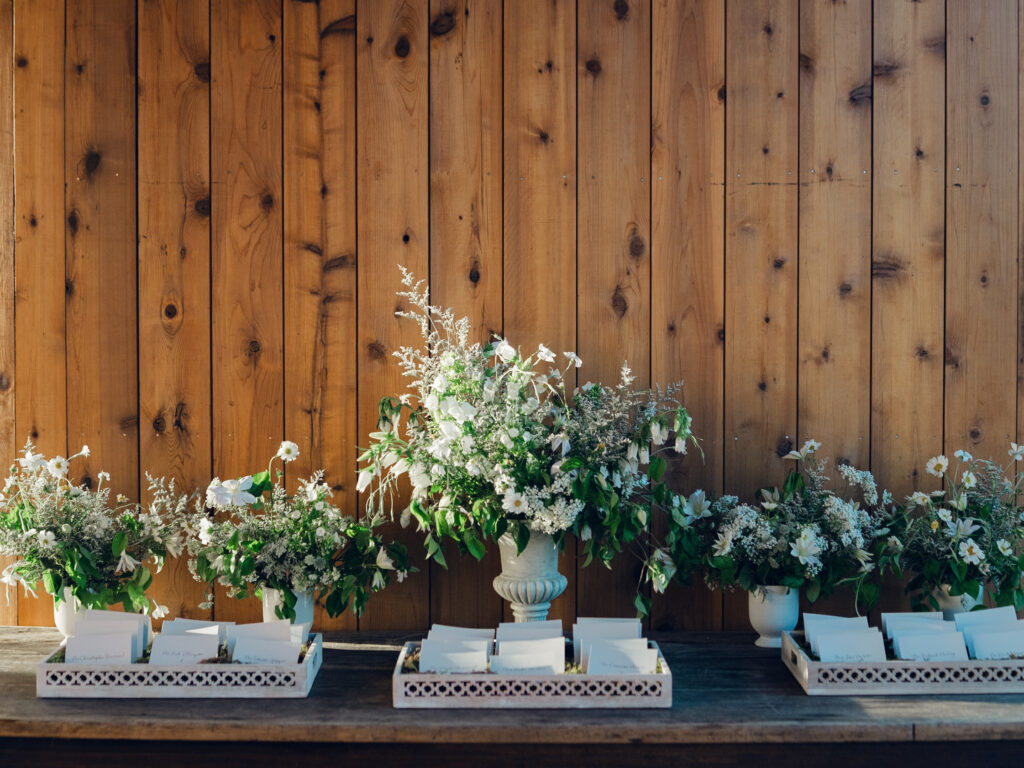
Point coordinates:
[[962, 528], [645, 456], [970, 552], [968, 479], [918, 499], [514, 502], [57, 466], [1016, 452], [945, 516], [32, 462], [658, 433], [451, 430], [204, 530], [84, 451], [126, 564], [697, 507], [159, 611], [320, 532], [545, 354], [365, 478], [632, 452], [680, 446], [960, 502], [46, 538], [723, 544], [806, 548], [505, 351], [103, 477], [384, 562], [379, 582], [573, 358], [431, 402], [963, 455], [809, 447], [937, 465], [440, 384], [894, 544], [236, 492], [585, 533], [1004, 547], [288, 451], [400, 575]]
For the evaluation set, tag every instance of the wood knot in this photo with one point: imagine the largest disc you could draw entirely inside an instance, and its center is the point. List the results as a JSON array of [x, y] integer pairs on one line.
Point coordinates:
[[861, 94], [402, 47], [621, 8], [442, 24], [921, 353], [619, 303], [32, 220], [323, 190], [474, 275], [951, 359], [762, 386], [405, 238], [253, 349], [79, 69], [918, 152], [768, 29], [170, 311], [202, 71], [69, 287], [376, 350], [975, 434], [338, 262], [202, 206], [886, 267], [21, 62], [721, 93], [5, 382], [845, 288], [549, 65], [92, 162], [884, 69], [159, 423], [984, 279], [764, 150], [806, 62], [594, 66], [34, 433], [637, 248], [313, 248], [784, 446], [267, 202], [767, 319], [780, 94], [825, 354], [346, 25], [984, 100], [73, 223], [543, 136], [181, 418], [369, 40], [720, 334], [828, 171], [671, 328], [87, 482]]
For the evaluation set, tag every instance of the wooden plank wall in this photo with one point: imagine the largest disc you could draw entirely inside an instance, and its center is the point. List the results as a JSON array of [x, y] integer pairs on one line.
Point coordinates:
[[808, 210]]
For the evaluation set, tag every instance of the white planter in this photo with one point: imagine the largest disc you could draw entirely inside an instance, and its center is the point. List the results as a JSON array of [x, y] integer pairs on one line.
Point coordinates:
[[529, 581], [773, 610], [65, 613], [950, 605], [303, 606]]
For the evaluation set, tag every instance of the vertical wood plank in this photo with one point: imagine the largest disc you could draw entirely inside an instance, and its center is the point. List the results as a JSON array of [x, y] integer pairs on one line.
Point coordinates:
[[540, 193], [174, 260], [688, 253], [907, 242], [247, 313], [8, 436], [835, 228], [39, 238], [981, 227], [761, 249], [392, 62], [613, 218], [1020, 226], [320, 247], [99, 163], [466, 233]]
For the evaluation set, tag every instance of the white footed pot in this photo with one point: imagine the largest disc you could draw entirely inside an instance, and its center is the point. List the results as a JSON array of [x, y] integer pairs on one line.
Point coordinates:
[[65, 613], [773, 610], [529, 581], [272, 598], [950, 605]]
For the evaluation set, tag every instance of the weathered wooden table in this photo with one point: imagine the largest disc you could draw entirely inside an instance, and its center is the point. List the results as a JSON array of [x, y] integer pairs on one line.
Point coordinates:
[[732, 702]]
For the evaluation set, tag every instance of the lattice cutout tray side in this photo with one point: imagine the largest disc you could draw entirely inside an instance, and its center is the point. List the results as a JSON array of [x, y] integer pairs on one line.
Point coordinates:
[[898, 677], [415, 690], [195, 681]]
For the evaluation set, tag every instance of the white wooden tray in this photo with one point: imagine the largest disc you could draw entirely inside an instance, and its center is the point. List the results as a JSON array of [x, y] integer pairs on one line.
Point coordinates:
[[897, 677], [415, 690], [196, 681]]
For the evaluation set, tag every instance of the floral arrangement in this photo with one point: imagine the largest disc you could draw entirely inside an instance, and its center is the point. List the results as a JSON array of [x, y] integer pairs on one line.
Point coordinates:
[[297, 544], [71, 536], [804, 536], [494, 445], [966, 537]]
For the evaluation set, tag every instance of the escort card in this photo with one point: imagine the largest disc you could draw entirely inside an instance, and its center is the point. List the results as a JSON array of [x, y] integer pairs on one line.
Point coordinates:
[[268, 630], [116, 648], [126, 626], [583, 634], [972, 632], [931, 646], [251, 649], [904, 617], [1004, 616], [997, 644], [614, 657], [816, 624], [459, 656], [851, 645], [442, 631], [144, 621], [181, 626], [537, 656], [508, 630], [189, 648]]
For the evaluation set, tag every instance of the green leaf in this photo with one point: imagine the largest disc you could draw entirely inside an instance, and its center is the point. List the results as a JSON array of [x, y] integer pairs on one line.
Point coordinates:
[[522, 537], [117, 546], [53, 584], [472, 541], [813, 591], [656, 470], [642, 603]]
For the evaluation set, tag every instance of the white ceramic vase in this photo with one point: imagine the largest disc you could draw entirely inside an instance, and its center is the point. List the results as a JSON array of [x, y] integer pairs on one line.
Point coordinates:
[[773, 610], [950, 605], [65, 612], [529, 581], [272, 598]]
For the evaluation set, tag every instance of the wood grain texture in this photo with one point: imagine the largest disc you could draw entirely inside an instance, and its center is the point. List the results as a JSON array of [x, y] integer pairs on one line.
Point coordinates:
[[761, 273], [540, 196], [613, 313], [174, 261], [688, 252], [835, 229], [247, 313], [320, 250], [392, 61], [39, 240], [1020, 229], [907, 242], [8, 436], [466, 233], [982, 116]]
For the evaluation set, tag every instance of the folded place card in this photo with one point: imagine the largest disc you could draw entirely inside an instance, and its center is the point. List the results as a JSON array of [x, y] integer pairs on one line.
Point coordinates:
[[1004, 616], [143, 620], [300, 633], [899, 624], [584, 633], [904, 617], [817, 623], [268, 630], [536, 656], [181, 626], [972, 632], [189, 648], [127, 627], [100, 649], [258, 650], [931, 646], [459, 656], [445, 631], [620, 657], [994, 644], [530, 629], [851, 646]]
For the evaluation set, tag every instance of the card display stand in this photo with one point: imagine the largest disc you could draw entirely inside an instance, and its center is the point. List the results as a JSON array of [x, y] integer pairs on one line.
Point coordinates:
[[898, 677], [193, 681], [416, 690]]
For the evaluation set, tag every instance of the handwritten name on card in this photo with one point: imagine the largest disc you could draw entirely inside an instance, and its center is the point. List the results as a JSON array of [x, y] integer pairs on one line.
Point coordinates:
[[852, 646], [99, 649], [189, 648]]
